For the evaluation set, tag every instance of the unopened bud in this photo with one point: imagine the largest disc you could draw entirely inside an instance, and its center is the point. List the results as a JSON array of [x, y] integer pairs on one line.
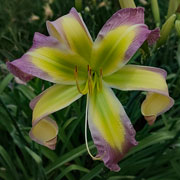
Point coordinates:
[[155, 11], [177, 26], [127, 4], [173, 6], [166, 30]]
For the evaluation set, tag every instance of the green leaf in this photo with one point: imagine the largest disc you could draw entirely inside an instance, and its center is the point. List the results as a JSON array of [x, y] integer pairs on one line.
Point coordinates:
[[121, 178], [68, 157], [36, 157], [94, 172], [152, 139], [7, 159], [26, 91], [72, 168], [5, 82]]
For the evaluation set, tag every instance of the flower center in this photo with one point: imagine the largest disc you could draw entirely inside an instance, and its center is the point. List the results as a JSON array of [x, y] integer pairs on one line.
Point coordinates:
[[94, 80]]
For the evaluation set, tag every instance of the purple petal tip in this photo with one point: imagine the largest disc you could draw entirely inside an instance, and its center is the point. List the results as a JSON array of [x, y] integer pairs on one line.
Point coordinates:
[[153, 36], [17, 72]]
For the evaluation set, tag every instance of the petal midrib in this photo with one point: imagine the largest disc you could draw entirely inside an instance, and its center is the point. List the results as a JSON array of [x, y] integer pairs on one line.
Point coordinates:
[[107, 122], [129, 29]]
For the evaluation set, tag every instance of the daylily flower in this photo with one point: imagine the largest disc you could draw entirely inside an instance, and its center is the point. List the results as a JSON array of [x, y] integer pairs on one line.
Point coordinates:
[[78, 66]]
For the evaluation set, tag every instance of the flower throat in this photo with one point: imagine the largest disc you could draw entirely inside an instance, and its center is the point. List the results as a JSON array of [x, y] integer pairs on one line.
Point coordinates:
[[94, 81]]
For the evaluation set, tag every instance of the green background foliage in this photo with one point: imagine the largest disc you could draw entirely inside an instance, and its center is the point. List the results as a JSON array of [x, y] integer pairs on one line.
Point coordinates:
[[157, 157]]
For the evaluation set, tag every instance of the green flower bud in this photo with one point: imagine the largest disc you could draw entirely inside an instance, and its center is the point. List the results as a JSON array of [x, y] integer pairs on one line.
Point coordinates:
[[127, 4], [177, 26], [155, 11], [173, 5], [166, 30]]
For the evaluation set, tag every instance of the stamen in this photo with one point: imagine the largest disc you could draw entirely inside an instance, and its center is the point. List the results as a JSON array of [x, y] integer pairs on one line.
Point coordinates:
[[86, 141], [84, 91]]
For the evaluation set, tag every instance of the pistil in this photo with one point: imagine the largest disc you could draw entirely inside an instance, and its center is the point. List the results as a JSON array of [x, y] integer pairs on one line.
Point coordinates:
[[86, 141]]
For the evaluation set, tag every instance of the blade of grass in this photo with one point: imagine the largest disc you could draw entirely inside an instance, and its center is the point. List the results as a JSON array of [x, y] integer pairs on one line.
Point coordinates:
[[8, 161], [73, 167], [68, 157], [5, 82], [94, 172]]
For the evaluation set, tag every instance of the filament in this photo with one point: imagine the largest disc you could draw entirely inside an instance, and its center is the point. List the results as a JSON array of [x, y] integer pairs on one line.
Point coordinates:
[[90, 82], [84, 91]]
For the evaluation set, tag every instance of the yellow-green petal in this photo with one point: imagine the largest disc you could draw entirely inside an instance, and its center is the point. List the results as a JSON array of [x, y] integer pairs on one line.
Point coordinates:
[[134, 77], [59, 65], [117, 47], [71, 31], [77, 38], [110, 127], [53, 99], [153, 80], [119, 39], [51, 61]]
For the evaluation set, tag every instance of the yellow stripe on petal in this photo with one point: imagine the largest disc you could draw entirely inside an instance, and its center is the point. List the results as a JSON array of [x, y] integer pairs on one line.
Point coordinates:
[[71, 31], [110, 127], [77, 37], [105, 113], [59, 65], [132, 77], [53, 99], [49, 60], [45, 132], [117, 47]]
